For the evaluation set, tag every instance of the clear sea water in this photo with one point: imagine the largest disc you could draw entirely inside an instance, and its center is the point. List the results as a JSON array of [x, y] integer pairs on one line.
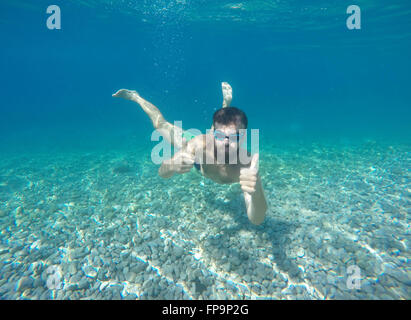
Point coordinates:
[[83, 212]]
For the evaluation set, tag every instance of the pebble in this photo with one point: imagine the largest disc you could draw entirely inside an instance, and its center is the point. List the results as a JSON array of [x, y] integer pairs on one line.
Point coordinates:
[[83, 284], [37, 293], [197, 273], [236, 261], [97, 261], [77, 277], [90, 272], [323, 253], [72, 268], [227, 267], [131, 276], [19, 210], [131, 296], [47, 295], [398, 274], [78, 253], [300, 253], [72, 287], [178, 251], [25, 283], [38, 282]]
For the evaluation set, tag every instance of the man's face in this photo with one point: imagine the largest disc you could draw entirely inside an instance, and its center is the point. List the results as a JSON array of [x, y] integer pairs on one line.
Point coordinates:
[[227, 139]]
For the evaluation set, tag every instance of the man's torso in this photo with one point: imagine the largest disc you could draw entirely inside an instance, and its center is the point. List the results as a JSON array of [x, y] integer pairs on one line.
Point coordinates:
[[203, 149]]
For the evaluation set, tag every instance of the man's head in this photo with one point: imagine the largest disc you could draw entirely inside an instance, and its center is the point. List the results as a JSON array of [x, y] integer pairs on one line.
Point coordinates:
[[227, 124], [230, 115]]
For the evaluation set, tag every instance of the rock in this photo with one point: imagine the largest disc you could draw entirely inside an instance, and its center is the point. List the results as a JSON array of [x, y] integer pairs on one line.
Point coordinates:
[[83, 284], [123, 239], [78, 253], [397, 274], [101, 275], [178, 251], [367, 286], [281, 284], [19, 210], [197, 273], [37, 293], [116, 291], [72, 287], [97, 261], [332, 280], [72, 268], [131, 296], [38, 283], [122, 168], [131, 276], [266, 283], [300, 253], [227, 267], [24, 283], [236, 261], [90, 272], [44, 253], [138, 267], [47, 295]]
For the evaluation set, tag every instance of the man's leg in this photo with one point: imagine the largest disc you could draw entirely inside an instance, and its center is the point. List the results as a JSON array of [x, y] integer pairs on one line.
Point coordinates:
[[227, 94], [169, 131]]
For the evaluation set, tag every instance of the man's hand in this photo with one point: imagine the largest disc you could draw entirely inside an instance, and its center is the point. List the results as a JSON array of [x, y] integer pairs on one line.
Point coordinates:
[[253, 192], [182, 162], [249, 176]]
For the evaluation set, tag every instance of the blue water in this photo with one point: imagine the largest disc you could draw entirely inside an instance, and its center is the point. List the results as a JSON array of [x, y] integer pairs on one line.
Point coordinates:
[[332, 106]]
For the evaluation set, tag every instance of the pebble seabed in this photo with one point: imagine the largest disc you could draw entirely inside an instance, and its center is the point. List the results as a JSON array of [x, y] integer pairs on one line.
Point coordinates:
[[81, 225]]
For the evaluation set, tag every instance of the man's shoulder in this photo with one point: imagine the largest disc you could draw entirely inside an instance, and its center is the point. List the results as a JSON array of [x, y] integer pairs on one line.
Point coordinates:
[[198, 142]]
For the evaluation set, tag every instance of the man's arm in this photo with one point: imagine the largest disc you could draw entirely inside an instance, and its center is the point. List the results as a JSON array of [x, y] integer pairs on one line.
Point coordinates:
[[256, 204], [182, 162], [166, 169], [184, 159], [251, 185]]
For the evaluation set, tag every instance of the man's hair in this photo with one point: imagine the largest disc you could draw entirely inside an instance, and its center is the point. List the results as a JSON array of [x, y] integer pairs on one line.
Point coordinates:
[[230, 115]]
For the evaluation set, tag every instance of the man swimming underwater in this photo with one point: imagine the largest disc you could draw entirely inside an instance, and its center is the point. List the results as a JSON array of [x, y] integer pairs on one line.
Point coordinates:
[[221, 142]]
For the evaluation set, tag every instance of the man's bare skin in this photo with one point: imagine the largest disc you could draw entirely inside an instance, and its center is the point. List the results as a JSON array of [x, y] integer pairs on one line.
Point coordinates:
[[202, 149]]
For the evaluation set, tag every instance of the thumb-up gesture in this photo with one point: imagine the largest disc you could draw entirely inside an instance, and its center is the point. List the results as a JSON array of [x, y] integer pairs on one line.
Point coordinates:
[[183, 160], [248, 177]]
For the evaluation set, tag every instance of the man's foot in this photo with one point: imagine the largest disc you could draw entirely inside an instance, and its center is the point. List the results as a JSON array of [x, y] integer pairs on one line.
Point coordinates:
[[227, 94], [126, 94]]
